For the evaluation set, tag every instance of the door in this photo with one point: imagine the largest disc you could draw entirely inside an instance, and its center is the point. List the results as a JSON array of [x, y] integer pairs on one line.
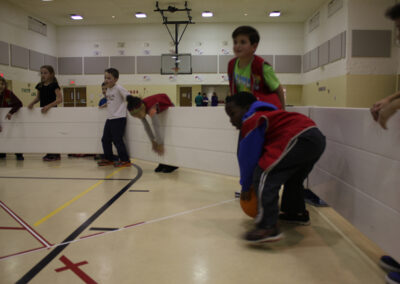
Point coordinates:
[[69, 97], [80, 97], [185, 96]]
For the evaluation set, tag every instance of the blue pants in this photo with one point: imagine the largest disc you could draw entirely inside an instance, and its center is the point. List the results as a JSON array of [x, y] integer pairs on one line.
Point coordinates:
[[114, 131]]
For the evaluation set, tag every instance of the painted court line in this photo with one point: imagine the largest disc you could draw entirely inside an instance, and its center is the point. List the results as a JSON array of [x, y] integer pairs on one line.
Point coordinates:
[[102, 229], [72, 237], [22, 252], [12, 228], [25, 225], [74, 199], [64, 178]]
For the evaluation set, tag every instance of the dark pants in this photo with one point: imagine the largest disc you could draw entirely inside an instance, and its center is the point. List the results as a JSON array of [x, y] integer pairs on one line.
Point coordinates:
[[114, 131], [291, 171]]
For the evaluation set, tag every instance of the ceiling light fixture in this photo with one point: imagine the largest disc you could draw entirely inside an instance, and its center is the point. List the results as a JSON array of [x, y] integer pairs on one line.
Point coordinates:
[[207, 14], [275, 14], [76, 17], [47, 0], [140, 15]]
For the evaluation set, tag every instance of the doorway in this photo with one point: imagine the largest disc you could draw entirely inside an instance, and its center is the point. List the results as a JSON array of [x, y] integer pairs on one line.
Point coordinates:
[[185, 96], [74, 97]]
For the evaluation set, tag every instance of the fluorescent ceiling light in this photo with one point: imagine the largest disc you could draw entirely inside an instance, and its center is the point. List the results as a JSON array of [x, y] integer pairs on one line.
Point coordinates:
[[47, 0], [140, 15], [207, 14], [274, 14], [76, 17]]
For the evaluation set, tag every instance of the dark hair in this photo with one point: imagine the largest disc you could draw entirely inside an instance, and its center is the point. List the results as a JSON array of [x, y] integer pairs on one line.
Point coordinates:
[[114, 72], [133, 102], [251, 32], [241, 99], [393, 13], [2, 79], [51, 71], [103, 84]]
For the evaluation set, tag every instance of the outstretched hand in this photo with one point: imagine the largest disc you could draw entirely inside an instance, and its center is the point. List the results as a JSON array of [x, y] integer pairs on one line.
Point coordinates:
[[375, 109], [158, 148]]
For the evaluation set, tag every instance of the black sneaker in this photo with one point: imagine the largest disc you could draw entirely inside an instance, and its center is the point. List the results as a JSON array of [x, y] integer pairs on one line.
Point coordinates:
[[264, 235], [168, 169], [393, 278], [3, 155], [20, 157], [159, 168], [389, 264], [313, 199], [296, 218]]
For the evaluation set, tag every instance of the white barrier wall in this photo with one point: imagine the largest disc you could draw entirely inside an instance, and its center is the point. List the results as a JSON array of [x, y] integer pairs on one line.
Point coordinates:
[[358, 175], [198, 138]]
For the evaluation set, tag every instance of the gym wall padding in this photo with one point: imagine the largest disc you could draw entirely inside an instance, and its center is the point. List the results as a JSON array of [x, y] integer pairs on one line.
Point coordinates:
[[95, 65], [371, 43], [149, 64], [288, 63], [4, 53], [124, 64], [204, 63], [19, 56], [70, 65], [36, 60]]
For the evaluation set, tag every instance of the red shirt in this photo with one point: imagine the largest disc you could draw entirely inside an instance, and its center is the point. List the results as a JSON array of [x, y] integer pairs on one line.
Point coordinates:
[[161, 101]]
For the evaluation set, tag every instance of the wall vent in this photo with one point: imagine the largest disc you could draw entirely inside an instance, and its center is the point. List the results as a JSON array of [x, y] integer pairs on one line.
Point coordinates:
[[313, 23], [334, 6], [37, 26]]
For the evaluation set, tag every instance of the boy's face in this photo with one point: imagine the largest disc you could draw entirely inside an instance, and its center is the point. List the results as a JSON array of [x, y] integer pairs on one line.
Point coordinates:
[[242, 46], [109, 80], [235, 114], [104, 90], [2, 86]]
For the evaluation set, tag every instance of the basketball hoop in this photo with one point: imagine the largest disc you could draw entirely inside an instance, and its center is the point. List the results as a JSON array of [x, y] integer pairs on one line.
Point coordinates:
[[175, 70]]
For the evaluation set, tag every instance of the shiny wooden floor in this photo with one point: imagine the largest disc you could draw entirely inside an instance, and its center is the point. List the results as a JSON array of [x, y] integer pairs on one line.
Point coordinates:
[[70, 221]]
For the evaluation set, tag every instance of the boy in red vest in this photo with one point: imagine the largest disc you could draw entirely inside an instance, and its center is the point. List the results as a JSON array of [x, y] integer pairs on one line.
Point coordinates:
[[275, 148], [250, 73], [152, 106]]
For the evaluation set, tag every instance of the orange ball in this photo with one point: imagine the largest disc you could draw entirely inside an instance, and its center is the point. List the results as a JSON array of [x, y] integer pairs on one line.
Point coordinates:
[[250, 206]]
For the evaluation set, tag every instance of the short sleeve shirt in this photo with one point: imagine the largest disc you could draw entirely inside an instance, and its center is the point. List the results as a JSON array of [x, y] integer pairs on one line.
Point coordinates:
[[116, 105], [47, 93]]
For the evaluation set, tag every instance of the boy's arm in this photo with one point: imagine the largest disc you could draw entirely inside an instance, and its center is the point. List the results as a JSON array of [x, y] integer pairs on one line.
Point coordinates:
[[387, 111], [16, 104], [157, 126], [56, 102], [273, 83], [250, 150], [281, 95], [381, 104], [148, 130], [35, 100]]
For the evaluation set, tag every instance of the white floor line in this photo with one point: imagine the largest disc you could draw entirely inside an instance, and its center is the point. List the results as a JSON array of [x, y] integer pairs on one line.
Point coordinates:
[[138, 225]]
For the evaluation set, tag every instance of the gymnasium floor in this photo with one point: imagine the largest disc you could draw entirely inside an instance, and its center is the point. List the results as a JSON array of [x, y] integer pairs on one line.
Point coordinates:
[[72, 222]]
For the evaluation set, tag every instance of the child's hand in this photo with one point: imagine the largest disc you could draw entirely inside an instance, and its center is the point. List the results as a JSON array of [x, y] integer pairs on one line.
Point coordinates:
[[245, 195], [30, 106], [377, 107], [387, 111], [158, 148], [8, 116], [45, 109]]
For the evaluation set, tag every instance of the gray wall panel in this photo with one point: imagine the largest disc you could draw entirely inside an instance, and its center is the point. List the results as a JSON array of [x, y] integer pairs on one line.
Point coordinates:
[[124, 64], [223, 61], [52, 61], [4, 53], [344, 44], [36, 60], [70, 65], [269, 59], [371, 43], [204, 63], [19, 56], [306, 62], [149, 64], [323, 54], [335, 48], [314, 58], [288, 63], [95, 65]]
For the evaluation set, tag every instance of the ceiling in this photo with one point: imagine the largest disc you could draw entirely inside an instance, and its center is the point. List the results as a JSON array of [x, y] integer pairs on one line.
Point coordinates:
[[100, 12]]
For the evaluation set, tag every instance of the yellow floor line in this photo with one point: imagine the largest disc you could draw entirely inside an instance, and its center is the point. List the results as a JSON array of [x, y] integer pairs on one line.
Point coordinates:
[[74, 199]]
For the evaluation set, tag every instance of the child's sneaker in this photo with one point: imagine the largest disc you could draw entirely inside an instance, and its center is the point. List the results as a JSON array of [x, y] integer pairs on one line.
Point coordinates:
[[264, 235], [296, 218], [168, 169], [393, 278], [20, 157], [105, 162], [389, 264], [313, 199], [122, 164], [159, 168]]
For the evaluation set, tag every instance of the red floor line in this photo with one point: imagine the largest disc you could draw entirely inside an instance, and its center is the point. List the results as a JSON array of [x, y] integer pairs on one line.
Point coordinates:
[[84, 237], [12, 228], [134, 224], [35, 234], [19, 253]]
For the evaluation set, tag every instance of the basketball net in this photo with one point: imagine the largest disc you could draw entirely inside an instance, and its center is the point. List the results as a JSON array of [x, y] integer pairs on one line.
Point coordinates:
[[176, 70]]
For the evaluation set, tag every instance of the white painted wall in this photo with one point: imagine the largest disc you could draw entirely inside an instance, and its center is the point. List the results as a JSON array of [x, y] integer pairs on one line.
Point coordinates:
[[327, 29]]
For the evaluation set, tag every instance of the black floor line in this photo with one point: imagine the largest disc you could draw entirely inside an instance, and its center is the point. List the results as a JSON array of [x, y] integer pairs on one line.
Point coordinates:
[[102, 229], [53, 254], [138, 190], [66, 178]]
